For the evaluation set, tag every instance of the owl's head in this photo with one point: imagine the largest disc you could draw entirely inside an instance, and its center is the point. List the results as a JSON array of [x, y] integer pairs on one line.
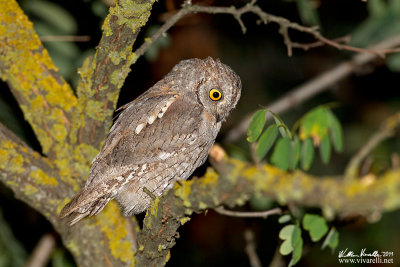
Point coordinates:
[[211, 83]]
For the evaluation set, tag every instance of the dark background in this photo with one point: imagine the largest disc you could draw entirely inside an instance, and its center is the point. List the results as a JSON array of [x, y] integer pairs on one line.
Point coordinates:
[[260, 58]]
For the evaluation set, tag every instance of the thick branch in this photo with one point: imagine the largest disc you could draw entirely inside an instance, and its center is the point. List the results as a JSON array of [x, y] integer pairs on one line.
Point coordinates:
[[237, 181], [73, 140], [44, 97], [103, 75], [35, 180], [107, 239], [30, 176]]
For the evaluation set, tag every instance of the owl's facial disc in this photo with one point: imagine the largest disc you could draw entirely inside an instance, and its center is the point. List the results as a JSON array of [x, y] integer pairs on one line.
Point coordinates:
[[217, 98], [217, 87]]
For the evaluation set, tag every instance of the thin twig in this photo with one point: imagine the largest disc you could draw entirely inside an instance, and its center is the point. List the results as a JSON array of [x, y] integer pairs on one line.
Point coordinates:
[[65, 38], [251, 248], [308, 46], [248, 214], [149, 193], [265, 17], [326, 80], [395, 158], [277, 259], [386, 130], [42, 252]]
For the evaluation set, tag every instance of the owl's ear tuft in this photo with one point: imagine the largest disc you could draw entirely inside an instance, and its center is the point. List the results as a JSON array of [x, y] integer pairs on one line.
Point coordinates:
[[211, 61]]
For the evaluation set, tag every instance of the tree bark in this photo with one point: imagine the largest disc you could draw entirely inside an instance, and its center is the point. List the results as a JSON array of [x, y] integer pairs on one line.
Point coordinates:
[[70, 129]]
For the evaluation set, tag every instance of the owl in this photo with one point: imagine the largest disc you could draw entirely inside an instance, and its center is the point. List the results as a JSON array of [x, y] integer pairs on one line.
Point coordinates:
[[159, 138]]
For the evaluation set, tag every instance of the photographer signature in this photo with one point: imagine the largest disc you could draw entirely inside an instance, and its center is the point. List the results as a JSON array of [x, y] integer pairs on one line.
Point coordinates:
[[349, 253]]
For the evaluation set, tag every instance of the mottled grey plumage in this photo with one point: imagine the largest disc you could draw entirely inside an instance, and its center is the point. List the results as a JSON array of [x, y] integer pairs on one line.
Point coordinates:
[[159, 138]]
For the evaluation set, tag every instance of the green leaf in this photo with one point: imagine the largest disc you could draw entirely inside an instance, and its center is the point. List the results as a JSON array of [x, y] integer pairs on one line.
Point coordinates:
[[325, 150], [307, 154], [316, 225], [296, 236], [336, 132], [155, 48], [236, 152], [281, 126], [394, 6], [307, 12], [256, 125], [281, 155], [296, 256], [286, 234], [54, 15], [266, 141], [259, 202], [283, 129], [331, 240], [377, 8], [11, 250], [393, 62], [59, 258], [99, 9], [383, 23], [315, 124], [286, 248], [297, 244], [295, 155], [284, 218]]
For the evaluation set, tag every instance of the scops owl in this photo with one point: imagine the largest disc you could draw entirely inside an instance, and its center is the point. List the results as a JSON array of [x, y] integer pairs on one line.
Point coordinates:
[[159, 138]]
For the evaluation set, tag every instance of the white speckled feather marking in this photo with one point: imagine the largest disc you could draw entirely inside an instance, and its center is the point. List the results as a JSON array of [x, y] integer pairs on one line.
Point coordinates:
[[156, 113]]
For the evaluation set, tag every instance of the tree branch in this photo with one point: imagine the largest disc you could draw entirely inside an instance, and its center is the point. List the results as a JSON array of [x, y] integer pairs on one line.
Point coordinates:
[[251, 248], [237, 13], [318, 84], [65, 38], [44, 97], [30, 176], [71, 130], [386, 130], [107, 239], [42, 252], [46, 183], [237, 181], [248, 214], [103, 75]]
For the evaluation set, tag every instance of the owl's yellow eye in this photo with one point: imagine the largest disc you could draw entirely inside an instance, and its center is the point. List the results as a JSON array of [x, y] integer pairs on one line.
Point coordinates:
[[215, 95]]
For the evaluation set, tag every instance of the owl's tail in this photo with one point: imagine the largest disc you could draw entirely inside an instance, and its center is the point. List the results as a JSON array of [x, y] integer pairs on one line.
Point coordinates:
[[87, 202]]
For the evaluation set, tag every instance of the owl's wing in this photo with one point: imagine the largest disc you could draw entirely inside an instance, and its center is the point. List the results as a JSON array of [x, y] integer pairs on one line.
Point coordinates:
[[129, 131], [147, 130]]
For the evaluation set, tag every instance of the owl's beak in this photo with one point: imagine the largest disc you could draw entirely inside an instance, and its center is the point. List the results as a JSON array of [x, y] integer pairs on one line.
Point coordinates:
[[217, 114]]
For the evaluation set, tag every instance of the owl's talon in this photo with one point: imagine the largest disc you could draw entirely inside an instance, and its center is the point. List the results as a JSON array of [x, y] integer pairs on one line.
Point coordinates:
[[217, 153], [148, 192]]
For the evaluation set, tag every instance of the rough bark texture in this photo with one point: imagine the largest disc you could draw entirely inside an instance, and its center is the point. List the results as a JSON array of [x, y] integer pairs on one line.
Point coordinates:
[[71, 128]]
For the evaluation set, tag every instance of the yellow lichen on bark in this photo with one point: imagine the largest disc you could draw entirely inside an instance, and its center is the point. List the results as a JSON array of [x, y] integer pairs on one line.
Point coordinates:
[[45, 97], [183, 191], [10, 159], [116, 228], [41, 178]]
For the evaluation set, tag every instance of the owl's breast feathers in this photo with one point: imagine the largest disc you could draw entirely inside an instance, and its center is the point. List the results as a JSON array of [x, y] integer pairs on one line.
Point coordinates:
[[155, 141]]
